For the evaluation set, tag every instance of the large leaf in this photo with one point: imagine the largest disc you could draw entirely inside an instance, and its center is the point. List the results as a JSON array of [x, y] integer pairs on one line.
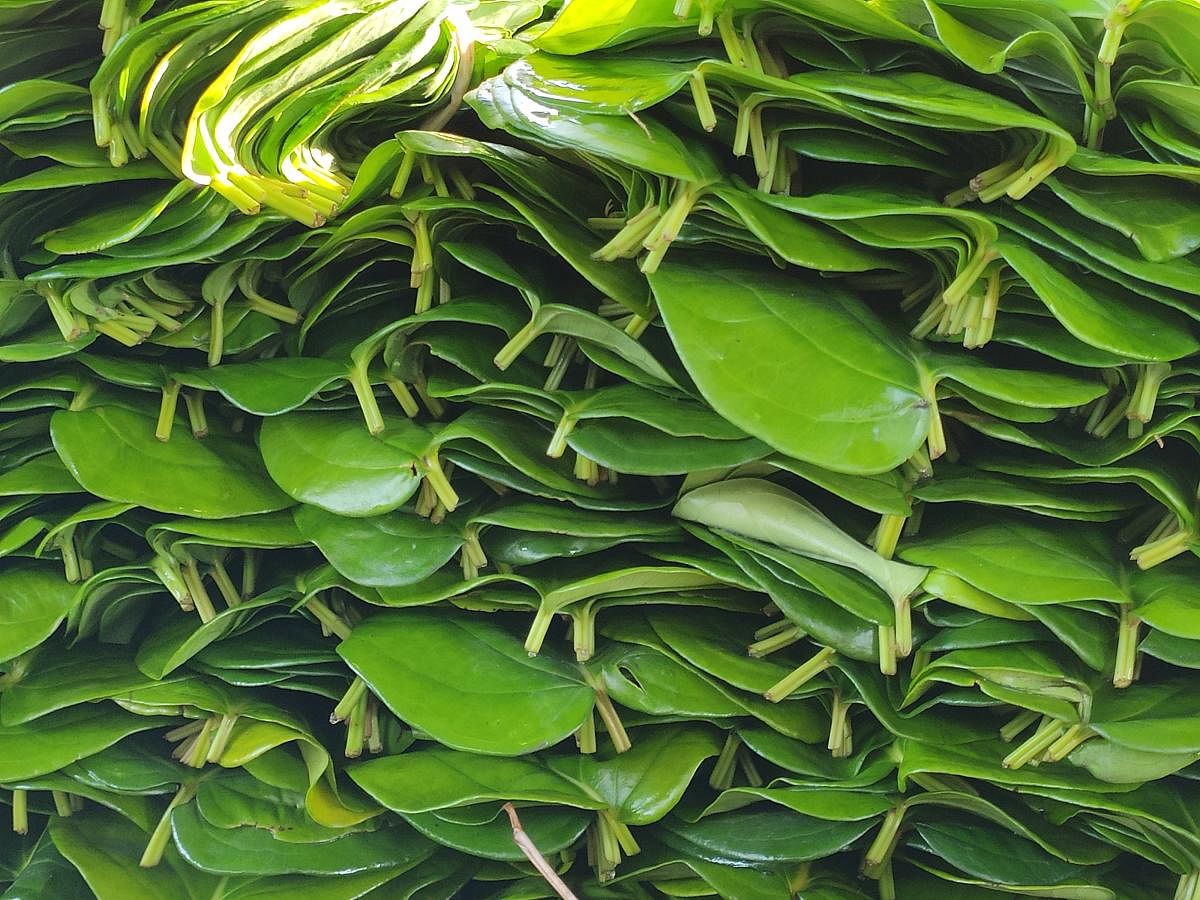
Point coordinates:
[[805, 368], [113, 453], [467, 682]]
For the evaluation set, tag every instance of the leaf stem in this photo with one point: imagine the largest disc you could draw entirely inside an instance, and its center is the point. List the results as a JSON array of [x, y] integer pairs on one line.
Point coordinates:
[[1017, 724], [220, 577], [408, 403], [1047, 733], [1071, 738], [403, 174], [374, 726], [625, 838], [70, 559], [668, 227], [439, 481], [1102, 107], [583, 630], [540, 627], [62, 803], [166, 410], [197, 753], [749, 769], [782, 637], [422, 259], [472, 550], [1156, 552], [216, 334], [558, 442], [349, 701], [1033, 176], [1127, 641], [183, 731], [196, 590], [628, 239], [559, 370], [356, 728], [721, 778], [586, 470], [360, 380], [608, 714], [516, 345], [1106, 425], [585, 736], [821, 661], [971, 272], [433, 404], [194, 401], [1189, 886], [887, 534], [885, 841], [81, 397], [273, 310], [608, 855], [20, 811], [886, 636], [161, 836], [902, 608], [327, 617], [249, 573], [730, 39], [840, 742], [702, 101], [63, 317], [1145, 393], [221, 738], [936, 441]]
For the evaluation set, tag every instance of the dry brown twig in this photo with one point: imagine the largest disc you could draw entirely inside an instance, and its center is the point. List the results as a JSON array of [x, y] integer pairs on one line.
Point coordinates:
[[534, 855]]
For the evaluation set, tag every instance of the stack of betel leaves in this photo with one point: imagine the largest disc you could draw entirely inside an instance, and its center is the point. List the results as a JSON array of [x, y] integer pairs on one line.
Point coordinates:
[[614, 449]]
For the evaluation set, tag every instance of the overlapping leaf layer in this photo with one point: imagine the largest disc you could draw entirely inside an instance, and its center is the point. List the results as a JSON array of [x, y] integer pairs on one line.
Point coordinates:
[[615, 449]]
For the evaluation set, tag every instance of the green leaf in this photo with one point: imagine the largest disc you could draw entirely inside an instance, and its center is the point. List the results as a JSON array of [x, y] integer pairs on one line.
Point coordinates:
[[267, 387], [113, 453], [427, 780], [392, 550], [760, 836], [1023, 561], [56, 740], [105, 848], [468, 683], [808, 370], [646, 782], [331, 461], [33, 602]]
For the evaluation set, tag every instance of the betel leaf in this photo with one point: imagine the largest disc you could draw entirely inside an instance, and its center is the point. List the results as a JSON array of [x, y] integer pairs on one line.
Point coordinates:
[[390, 550], [1023, 560], [105, 849], [267, 387], [467, 682], [807, 369], [761, 835], [33, 602], [46, 873], [58, 739], [113, 452], [426, 780], [331, 461], [254, 851], [643, 784]]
